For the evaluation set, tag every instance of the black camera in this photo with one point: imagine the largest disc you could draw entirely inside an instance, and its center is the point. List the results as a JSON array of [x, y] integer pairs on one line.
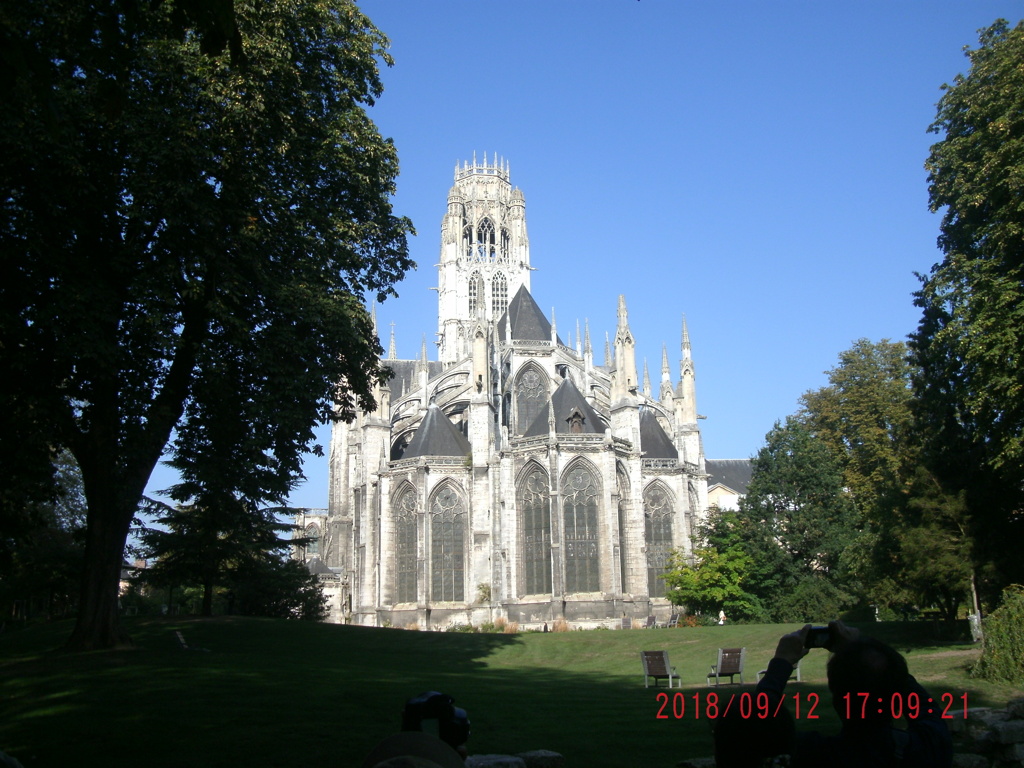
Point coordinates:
[[452, 722], [817, 637]]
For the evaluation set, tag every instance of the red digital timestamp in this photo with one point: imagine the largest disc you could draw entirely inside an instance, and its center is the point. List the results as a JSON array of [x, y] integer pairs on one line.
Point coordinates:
[[749, 705], [911, 705]]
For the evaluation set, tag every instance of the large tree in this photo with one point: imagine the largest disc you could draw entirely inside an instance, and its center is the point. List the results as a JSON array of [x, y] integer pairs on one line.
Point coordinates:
[[798, 523], [187, 233], [969, 345]]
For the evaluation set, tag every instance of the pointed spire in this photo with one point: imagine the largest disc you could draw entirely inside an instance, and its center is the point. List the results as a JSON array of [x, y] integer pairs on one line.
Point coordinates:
[[647, 380], [686, 340], [554, 332], [392, 353], [587, 349], [579, 348], [607, 351], [423, 351], [666, 372]]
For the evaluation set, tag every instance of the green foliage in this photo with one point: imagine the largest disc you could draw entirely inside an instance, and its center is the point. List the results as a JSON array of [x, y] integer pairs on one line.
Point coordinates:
[[41, 559], [232, 545], [196, 203], [863, 417], [278, 587], [712, 582], [1003, 655], [967, 348], [795, 526]]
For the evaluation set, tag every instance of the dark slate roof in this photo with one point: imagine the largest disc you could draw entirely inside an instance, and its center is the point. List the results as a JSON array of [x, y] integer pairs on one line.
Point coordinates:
[[405, 379], [564, 400], [528, 322], [654, 443], [437, 436], [317, 567], [732, 473]]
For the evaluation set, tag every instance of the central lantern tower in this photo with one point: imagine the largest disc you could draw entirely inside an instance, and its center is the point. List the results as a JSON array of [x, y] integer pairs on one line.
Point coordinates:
[[485, 254]]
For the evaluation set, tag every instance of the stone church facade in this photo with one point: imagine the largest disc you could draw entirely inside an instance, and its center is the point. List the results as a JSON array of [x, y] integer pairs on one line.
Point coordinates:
[[515, 476]]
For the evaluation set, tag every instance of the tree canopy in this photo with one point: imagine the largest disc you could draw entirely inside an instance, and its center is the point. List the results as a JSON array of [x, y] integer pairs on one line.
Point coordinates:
[[968, 349], [187, 237]]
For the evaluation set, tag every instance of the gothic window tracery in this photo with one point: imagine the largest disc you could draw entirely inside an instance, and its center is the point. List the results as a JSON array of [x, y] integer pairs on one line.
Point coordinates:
[[658, 510], [499, 295], [579, 510], [485, 240], [535, 529], [531, 396], [447, 545], [405, 549], [467, 241]]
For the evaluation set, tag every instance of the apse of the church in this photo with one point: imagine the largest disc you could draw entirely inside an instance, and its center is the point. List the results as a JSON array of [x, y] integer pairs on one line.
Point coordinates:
[[514, 477]]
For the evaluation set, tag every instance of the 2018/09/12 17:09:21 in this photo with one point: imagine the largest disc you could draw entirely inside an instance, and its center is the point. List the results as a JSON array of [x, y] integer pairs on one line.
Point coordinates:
[[758, 705]]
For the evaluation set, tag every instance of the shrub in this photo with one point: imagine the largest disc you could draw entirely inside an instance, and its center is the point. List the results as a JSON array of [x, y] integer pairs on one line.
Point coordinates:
[[467, 628], [512, 628], [500, 623], [560, 625], [1003, 655]]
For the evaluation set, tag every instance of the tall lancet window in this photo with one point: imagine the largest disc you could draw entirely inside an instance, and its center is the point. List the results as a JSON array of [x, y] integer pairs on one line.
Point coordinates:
[[579, 510], [531, 395], [467, 241], [535, 530], [485, 240], [405, 549], [447, 546], [499, 295], [474, 294], [658, 530]]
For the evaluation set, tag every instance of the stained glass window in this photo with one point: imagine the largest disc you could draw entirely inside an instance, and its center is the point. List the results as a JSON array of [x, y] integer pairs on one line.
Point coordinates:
[[579, 510], [405, 523], [447, 548], [658, 530], [531, 395], [535, 525]]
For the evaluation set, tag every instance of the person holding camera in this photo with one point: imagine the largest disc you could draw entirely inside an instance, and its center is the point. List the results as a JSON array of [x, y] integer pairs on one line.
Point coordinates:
[[862, 671]]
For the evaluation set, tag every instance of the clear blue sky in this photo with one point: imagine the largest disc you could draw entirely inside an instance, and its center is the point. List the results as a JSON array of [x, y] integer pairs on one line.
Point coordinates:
[[755, 166]]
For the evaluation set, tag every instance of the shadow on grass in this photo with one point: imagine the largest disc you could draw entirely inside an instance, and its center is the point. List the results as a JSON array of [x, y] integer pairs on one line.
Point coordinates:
[[277, 693]]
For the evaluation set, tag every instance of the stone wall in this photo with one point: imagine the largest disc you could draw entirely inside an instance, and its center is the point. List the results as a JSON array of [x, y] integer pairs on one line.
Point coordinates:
[[990, 738]]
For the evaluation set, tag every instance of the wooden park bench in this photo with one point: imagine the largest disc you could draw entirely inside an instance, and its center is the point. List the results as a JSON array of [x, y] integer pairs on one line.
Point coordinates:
[[730, 663], [656, 665], [794, 675], [651, 622], [627, 623]]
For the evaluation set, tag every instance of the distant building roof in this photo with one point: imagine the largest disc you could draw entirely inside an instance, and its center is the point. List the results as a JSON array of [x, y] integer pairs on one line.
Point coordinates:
[[437, 436], [734, 474]]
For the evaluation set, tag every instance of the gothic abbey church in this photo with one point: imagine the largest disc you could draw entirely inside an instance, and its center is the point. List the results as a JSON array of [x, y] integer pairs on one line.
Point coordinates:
[[515, 476]]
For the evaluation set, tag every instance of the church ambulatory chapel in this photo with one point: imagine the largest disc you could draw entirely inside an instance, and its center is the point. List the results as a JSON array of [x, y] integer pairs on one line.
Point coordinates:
[[515, 476]]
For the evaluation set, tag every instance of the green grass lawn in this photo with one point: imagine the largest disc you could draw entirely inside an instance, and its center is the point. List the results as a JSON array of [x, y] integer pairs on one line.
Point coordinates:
[[280, 693]]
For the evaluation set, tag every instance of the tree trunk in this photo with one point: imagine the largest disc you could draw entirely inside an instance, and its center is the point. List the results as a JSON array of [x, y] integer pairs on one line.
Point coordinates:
[[208, 597], [98, 625]]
